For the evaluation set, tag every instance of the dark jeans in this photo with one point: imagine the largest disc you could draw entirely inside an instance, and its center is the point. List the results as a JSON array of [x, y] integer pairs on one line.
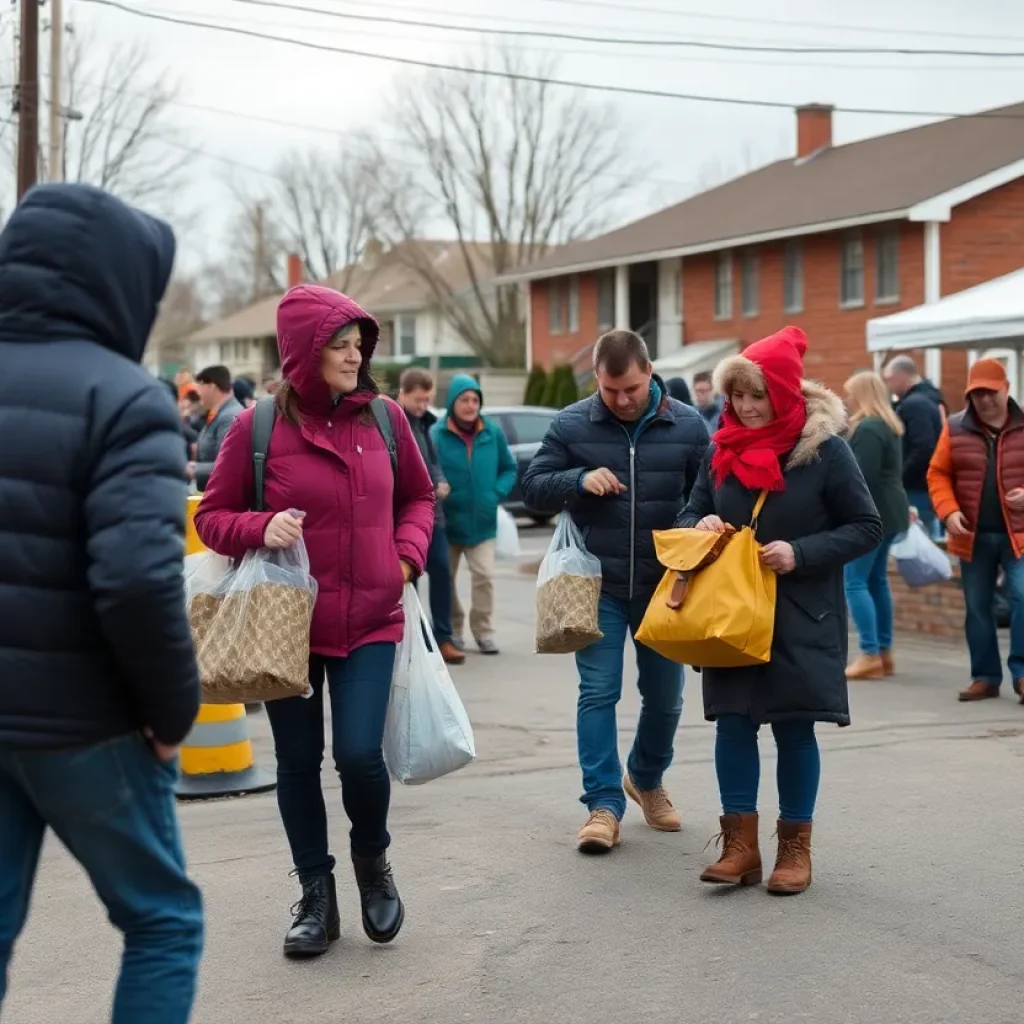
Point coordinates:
[[439, 574], [112, 806], [738, 766], [360, 687], [660, 682], [870, 598], [978, 577]]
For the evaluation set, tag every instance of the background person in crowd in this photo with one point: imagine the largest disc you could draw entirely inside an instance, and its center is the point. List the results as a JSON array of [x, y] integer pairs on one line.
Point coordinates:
[[780, 434], [415, 391], [329, 480], [622, 462], [98, 678], [244, 391], [920, 406], [875, 437], [707, 402], [678, 389], [976, 479], [218, 399], [481, 472]]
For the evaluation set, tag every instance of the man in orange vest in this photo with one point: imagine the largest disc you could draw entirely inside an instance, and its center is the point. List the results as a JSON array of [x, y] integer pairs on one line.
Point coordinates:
[[976, 483]]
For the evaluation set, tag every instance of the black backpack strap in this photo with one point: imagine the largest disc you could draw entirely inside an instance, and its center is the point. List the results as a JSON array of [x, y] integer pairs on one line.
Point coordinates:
[[387, 430], [262, 427]]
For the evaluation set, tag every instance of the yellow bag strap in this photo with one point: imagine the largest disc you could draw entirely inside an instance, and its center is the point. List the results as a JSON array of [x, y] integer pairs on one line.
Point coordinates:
[[758, 505]]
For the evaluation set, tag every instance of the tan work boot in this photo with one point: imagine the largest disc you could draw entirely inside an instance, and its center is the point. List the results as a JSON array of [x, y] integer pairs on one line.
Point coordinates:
[[867, 666], [740, 861], [600, 833], [888, 663], [979, 691], [792, 872], [658, 810]]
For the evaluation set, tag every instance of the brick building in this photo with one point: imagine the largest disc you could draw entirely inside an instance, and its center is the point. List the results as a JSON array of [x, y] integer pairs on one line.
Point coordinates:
[[825, 240]]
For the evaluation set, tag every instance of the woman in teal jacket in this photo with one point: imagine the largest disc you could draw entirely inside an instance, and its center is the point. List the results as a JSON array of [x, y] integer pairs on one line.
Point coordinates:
[[481, 471]]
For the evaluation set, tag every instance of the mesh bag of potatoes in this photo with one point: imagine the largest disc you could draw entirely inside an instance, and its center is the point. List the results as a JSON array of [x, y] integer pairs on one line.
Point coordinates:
[[568, 591], [250, 625]]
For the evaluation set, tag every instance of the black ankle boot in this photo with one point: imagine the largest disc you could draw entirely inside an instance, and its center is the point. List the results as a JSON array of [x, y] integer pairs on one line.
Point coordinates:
[[316, 923], [383, 912]]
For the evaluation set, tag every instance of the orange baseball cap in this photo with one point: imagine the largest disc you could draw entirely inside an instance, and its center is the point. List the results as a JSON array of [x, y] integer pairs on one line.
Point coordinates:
[[986, 375]]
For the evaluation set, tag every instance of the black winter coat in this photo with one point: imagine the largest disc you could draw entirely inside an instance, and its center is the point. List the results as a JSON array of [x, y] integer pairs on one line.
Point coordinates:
[[827, 514], [667, 453], [94, 640], [922, 419]]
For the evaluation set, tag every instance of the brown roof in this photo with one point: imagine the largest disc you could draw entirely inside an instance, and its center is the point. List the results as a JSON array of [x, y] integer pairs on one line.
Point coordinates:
[[885, 174], [391, 284]]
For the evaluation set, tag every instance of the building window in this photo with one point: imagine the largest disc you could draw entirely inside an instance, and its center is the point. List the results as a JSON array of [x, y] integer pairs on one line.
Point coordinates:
[[407, 335], [723, 286], [605, 300], [749, 284], [574, 304], [851, 285], [887, 265], [793, 277], [678, 285], [557, 302]]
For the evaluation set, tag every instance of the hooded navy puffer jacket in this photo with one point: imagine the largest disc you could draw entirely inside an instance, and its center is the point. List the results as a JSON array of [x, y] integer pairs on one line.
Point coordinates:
[[94, 641]]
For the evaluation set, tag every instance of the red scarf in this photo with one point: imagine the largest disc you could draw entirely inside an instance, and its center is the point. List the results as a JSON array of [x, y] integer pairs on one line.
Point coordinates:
[[754, 455]]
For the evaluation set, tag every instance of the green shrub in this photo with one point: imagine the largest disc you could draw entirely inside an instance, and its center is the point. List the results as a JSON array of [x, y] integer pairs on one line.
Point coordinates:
[[536, 385], [567, 392], [550, 396]]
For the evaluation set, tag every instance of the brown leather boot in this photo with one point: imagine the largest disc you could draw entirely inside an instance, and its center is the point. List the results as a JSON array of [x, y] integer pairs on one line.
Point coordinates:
[[867, 666], [979, 691], [792, 872], [658, 810], [888, 663], [740, 862], [451, 654]]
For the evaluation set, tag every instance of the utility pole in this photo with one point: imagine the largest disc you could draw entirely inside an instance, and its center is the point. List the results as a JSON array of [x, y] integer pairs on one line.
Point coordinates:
[[56, 138], [28, 97]]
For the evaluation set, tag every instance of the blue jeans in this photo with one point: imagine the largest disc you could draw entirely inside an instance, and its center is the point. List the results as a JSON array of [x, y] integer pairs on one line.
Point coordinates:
[[738, 766], [360, 687], [978, 577], [870, 599], [439, 578], [112, 806], [922, 501], [660, 682]]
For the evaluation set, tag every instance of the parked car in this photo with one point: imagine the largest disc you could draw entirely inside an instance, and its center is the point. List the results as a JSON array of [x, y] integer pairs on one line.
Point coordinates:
[[524, 427]]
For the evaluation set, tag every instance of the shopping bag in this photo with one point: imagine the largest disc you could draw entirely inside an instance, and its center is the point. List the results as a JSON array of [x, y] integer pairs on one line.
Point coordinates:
[[506, 545], [715, 605], [568, 592], [250, 624], [427, 732], [919, 559]]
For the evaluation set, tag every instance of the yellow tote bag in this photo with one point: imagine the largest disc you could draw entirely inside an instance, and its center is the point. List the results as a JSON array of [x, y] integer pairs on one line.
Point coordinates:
[[715, 606]]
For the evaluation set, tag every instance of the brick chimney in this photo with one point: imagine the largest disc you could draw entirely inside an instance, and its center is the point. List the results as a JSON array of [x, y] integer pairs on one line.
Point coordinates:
[[296, 271], [813, 128]]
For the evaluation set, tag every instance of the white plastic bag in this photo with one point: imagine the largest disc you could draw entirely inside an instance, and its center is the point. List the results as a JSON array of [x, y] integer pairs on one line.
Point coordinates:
[[568, 592], [506, 546], [919, 560], [427, 733], [250, 624]]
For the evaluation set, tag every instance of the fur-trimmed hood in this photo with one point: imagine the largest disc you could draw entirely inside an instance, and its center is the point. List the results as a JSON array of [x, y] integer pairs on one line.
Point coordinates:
[[826, 414]]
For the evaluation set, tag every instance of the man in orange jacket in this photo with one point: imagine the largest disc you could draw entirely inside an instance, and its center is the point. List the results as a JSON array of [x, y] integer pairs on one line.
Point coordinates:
[[976, 483]]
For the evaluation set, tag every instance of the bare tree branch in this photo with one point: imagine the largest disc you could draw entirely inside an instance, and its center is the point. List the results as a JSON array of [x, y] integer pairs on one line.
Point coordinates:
[[510, 169]]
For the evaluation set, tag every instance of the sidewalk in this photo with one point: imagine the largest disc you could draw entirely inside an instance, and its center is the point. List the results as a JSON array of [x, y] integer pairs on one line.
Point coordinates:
[[914, 915]]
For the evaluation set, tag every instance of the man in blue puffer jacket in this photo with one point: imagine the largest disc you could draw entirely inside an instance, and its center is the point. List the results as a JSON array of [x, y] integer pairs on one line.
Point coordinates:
[[98, 679], [622, 462]]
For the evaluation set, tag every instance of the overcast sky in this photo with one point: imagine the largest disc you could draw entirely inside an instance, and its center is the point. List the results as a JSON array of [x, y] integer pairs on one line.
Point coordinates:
[[681, 142]]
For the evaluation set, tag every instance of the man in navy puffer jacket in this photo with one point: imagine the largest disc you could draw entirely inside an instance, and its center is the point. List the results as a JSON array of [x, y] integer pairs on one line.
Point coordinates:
[[622, 462], [98, 680]]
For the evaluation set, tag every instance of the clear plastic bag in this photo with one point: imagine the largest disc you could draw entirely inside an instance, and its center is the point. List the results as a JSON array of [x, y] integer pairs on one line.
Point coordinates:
[[919, 559], [250, 624], [506, 546], [427, 733], [568, 592]]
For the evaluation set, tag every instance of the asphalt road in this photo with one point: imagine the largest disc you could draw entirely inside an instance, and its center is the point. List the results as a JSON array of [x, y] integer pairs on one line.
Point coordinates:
[[914, 916]]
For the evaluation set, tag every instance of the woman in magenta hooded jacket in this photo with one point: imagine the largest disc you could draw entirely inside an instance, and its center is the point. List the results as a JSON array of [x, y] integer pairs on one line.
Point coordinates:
[[367, 530]]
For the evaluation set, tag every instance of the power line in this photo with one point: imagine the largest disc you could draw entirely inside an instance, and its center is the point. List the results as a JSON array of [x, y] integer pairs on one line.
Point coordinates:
[[896, 51], [535, 79]]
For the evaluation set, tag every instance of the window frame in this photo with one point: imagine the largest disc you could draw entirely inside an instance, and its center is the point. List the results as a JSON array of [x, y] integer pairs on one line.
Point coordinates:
[[724, 286], [887, 242], [853, 242], [793, 276], [402, 320], [750, 279], [557, 311], [573, 288], [606, 299]]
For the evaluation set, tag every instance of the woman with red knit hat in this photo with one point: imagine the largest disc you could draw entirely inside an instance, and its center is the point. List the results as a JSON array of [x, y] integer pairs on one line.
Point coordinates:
[[781, 434]]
